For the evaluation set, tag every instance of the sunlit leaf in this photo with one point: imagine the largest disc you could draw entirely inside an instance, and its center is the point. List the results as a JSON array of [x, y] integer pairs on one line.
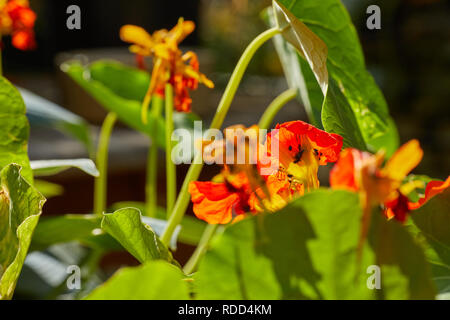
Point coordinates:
[[139, 239], [14, 130], [42, 168], [308, 251], [305, 251], [330, 21], [309, 45], [155, 280], [20, 208], [191, 228], [338, 117]]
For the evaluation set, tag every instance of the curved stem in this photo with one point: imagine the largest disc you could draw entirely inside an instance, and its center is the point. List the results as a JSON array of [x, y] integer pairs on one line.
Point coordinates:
[[151, 191], [222, 110], [171, 173], [192, 264], [102, 163], [275, 107]]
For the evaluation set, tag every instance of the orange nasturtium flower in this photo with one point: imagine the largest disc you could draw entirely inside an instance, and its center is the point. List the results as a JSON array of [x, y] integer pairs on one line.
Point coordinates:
[[17, 20], [377, 185], [170, 65], [400, 207], [364, 173], [302, 149]]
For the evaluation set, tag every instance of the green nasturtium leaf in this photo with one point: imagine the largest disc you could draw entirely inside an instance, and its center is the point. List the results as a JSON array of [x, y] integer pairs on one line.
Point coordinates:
[[20, 208], [191, 228], [295, 69], [338, 117], [433, 222], [44, 168], [85, 229], [44, 113], [330, 21], [309, 45], [121, 89], [14, 130], [305, 251], [308, 250], [137, 238], [405, 273], [155, 280]]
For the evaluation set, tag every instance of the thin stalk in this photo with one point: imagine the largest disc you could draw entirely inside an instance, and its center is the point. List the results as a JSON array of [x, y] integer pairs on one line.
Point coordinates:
[[275, 107], [102, 163], [222, 110], [1, 62], [151, 204], [192, 264], [171, 172]]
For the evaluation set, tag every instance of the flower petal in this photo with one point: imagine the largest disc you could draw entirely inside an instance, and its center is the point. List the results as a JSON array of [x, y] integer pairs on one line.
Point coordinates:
[[137, 35], [433, 188], [217, 203], [343, 174], [404, 160]]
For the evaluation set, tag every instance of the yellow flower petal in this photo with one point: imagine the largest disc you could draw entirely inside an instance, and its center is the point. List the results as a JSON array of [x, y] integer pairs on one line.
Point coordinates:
[[136, 35], [404, 160]]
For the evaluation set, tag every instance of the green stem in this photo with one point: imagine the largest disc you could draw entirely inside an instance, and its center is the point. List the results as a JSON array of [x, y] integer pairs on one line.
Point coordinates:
[[275, 107], [151, 205], [1, 62], [191, 265], [222, 110], [171, 173], [102, 163]]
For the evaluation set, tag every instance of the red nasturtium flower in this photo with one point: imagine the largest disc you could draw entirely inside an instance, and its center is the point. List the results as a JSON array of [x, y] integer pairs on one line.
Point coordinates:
[[17, 20], [170, 65], [302, 149]]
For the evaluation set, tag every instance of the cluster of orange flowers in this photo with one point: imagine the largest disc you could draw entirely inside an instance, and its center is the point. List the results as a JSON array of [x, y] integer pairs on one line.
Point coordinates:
[[17, 20], [240, 189], [170, 65], [302, 149]]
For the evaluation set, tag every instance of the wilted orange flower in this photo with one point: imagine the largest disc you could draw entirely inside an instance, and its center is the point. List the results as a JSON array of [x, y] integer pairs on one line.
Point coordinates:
[[400, 207], [302, 148], [362, 172], [17, 20], [170, 65]]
